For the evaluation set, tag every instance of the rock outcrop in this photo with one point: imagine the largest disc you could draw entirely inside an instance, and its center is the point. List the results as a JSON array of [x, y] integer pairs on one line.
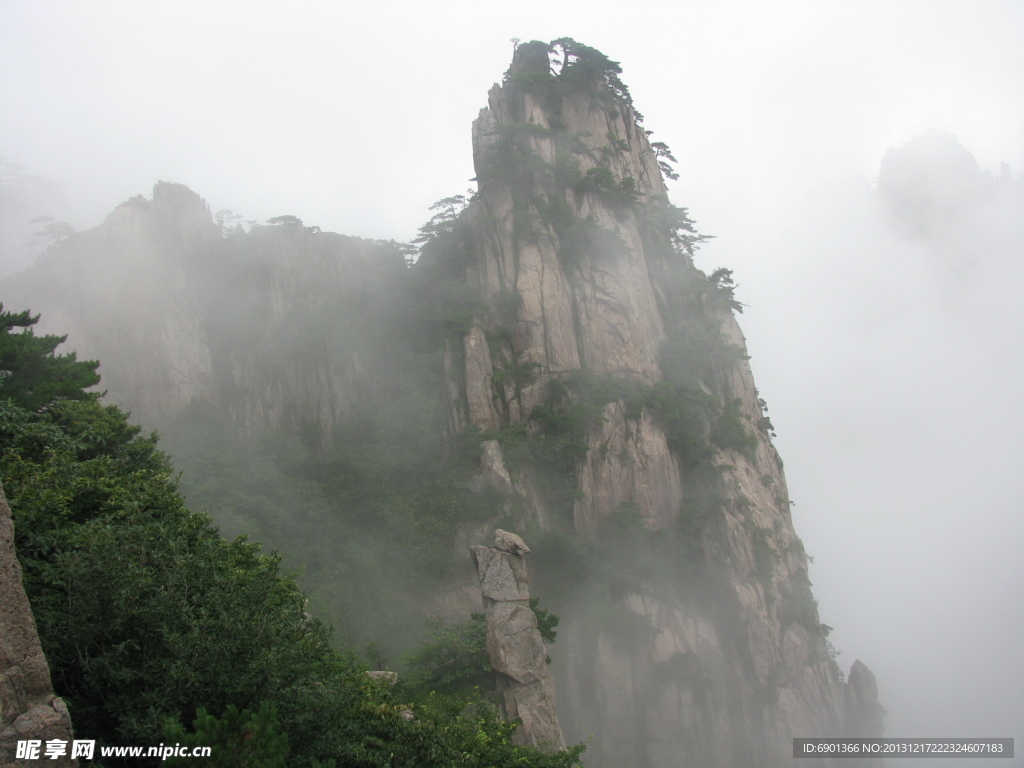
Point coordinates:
[[515, 647], [864, 715], [261, 326], [603, 377], [705, 647], [29, 710]]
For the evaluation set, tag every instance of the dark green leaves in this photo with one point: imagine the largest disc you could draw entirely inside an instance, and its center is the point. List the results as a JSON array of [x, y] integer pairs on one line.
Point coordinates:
[[30, 373]]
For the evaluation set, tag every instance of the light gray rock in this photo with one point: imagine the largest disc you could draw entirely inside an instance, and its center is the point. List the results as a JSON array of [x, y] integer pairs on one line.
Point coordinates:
[[628, 466], [145, 293], [478, 380], [656, 676], [534, 705], [502, 577], [509, 542], [514, 643], [492, 465]]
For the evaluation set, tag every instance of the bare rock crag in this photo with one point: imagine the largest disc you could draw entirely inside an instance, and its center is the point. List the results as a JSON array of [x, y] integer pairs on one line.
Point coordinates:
[[723, 666], [514, 643], [715, 658], [179, 312]]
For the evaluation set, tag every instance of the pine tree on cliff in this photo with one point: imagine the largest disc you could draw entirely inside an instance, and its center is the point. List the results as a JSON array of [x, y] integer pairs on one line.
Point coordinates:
[[30, 371]]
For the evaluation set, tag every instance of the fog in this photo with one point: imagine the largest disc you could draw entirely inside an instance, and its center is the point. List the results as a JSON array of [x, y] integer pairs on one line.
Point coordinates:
[[887, 343], [891, 367]]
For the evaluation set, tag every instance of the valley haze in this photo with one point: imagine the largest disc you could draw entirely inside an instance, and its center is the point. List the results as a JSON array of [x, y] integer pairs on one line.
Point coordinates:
[[890, 357]]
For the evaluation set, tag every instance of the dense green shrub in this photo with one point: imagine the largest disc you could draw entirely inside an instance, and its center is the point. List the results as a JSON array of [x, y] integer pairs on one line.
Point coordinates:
[[150, 620], [243, 739], [31, 373], [453, 659]]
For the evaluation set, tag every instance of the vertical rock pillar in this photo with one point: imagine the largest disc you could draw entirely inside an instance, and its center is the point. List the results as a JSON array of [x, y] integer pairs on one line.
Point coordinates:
[[29, 711], [865, 717], [514, 644]]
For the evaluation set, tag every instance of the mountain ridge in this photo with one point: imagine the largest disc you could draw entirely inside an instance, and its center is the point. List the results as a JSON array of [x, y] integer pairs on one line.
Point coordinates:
[[596, 379]]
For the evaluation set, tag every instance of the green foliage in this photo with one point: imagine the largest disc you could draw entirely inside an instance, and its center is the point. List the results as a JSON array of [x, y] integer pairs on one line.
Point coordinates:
[[729, 431], [52, 231], [664, 155], [576, 67], [441, 732], [453, 659], [243, 739], [31, 374], [669, 230], [439, 303], [546, 621], [798, 604], [516, 441], [573, 405], [586, 67], [616, 146], [707, 497], [723, 289], [554, 441], [506, 304], [287, 221], [620, 195], [579, 238], [533, 71], [765, 553], [442, 223], [685, 413], [516, 375], [150, 619], [456, 307], [144, 612], [511, 157]]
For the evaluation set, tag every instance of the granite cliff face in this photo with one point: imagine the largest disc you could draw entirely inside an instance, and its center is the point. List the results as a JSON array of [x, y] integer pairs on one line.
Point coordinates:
[[586, 272], [179, 312], [600, 378], [515, 646]]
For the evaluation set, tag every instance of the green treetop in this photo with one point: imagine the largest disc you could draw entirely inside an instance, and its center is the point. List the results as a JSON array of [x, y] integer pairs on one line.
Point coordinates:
[[31, 374]]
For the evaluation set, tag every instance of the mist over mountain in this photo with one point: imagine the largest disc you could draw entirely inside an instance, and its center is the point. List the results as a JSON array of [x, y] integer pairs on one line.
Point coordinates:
[[555, 363], [897, 434]]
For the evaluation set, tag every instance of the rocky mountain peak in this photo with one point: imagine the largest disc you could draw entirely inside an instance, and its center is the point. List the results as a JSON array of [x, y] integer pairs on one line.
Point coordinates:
[[591, 376], [605, 355]]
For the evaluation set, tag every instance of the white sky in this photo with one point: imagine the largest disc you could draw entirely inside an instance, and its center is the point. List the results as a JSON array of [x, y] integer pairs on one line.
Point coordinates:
[[896, 394]]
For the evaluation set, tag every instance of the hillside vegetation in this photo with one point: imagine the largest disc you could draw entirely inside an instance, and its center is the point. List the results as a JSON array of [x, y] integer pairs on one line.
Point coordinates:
[[159, 630]]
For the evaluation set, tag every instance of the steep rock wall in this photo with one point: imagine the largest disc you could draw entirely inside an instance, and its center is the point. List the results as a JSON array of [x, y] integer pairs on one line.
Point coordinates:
[[603, 377], [720, 661], [514, 642], [123, 289], [595, 310], [262, 326]]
